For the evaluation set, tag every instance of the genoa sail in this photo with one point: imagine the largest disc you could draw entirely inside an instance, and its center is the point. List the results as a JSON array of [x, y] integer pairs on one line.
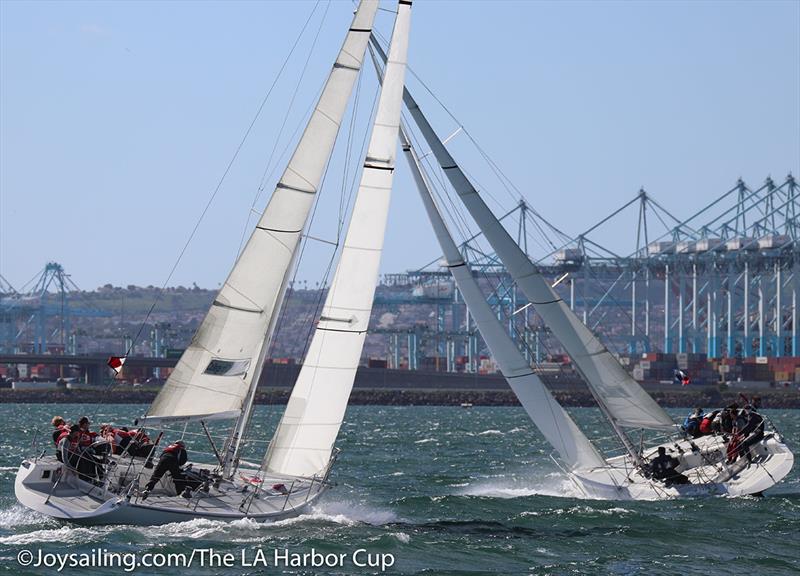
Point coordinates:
[[622, 397], [216, 372], [552, 420], [303, 441]]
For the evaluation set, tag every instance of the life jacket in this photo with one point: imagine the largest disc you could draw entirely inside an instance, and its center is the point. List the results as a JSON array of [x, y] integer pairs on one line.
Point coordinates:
[[173, 448], [178, 451], [87, 438], [59, 431], [64, 434]]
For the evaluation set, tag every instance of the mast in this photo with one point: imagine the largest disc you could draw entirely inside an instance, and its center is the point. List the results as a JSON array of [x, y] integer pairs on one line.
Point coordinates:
[[276, 237], [625, 399], [552, 420], [304, 438]]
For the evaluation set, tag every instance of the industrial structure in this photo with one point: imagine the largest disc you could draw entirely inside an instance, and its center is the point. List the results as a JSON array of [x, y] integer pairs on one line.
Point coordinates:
[[722, 283]]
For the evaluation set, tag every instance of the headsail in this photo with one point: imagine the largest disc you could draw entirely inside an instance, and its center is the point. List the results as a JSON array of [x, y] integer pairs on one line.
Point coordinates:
[[552, 420], [304, 438], [217, 370], [625, 400]]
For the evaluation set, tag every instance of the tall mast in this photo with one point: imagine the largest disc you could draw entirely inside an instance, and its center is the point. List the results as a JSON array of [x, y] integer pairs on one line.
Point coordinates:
[[552, 420], [624, 398], [265, 264], [303, 441]]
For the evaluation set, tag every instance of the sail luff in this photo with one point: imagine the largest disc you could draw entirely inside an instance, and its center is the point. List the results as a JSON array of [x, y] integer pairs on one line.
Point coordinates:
[[218, 370], [625, 399], [303, 441], [552, 420]]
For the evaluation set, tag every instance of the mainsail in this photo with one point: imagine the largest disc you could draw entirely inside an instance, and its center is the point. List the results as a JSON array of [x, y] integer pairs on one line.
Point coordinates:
[[304, 438], [622, 397], [552, 420], [218, 370]]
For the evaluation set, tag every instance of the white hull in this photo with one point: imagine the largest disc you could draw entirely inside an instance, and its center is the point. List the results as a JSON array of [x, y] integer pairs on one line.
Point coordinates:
[[38, 487], [704, 466]]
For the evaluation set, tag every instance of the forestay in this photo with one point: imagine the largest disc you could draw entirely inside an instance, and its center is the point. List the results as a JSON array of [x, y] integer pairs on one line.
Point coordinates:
[[216, 371], [552, 420], [304, 439], [625, 400]]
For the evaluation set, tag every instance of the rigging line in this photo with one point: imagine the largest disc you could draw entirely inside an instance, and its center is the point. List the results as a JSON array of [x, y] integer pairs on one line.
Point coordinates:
[[347, 158], [267, 170], [502, 177], [436, 181], [285, 307], [542, 343], [357, 167], [440, 189], [219, 185], [294, 94]]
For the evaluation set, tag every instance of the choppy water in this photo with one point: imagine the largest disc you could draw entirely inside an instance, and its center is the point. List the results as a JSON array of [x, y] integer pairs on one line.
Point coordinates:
[[445, 491]]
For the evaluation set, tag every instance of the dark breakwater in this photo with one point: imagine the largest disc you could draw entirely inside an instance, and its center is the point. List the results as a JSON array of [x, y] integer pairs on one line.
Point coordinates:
[[679, 397]]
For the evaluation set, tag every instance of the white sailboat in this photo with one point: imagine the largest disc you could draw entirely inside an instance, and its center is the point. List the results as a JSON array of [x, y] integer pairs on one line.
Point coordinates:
[[623, 402], [217, 376]]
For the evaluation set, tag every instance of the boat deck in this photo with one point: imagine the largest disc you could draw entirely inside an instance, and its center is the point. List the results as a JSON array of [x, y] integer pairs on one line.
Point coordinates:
[[44, 489]]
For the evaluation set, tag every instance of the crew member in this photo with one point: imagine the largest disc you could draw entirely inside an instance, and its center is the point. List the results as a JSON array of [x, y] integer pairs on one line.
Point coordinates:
[[59, 427], [87, 436], [77, 457], [172, 458], [752, 432], [664, 468], [692, 423]]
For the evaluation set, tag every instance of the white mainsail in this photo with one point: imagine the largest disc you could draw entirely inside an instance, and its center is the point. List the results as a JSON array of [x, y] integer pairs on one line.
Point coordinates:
[[215, 373], [552, 420], [623, 398], [304, 439]]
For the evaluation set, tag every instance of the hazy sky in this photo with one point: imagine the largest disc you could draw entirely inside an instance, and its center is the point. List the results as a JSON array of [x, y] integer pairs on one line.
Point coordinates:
[[117, 119]]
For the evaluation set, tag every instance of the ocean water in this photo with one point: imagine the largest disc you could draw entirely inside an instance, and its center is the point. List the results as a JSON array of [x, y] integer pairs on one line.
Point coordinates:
[[435, 490]]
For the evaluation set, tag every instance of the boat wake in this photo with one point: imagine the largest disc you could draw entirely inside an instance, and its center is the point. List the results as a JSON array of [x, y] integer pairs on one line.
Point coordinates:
[[550, 484], [18, 516], [18, 519]]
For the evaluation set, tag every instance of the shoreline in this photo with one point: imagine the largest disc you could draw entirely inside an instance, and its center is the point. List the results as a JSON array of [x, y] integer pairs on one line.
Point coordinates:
[[705, 397]]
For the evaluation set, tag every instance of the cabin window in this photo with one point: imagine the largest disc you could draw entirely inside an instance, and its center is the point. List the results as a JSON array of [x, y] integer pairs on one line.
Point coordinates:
[[219, 367]]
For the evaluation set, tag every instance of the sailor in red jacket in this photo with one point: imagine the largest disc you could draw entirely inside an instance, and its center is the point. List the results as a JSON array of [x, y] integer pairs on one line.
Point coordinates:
[[59, 427], [172, 458], [87, 436]]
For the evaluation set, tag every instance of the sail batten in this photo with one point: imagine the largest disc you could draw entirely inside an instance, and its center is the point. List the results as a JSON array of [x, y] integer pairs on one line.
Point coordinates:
[[626, 401], [303, 441], [239, 323]]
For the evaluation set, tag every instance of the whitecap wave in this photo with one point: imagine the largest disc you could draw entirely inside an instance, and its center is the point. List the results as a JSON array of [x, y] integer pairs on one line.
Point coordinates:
[[550, 484], [344, 512], [425, 441], [63, 535], [401, 536], [490, 433], [18, 515]]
